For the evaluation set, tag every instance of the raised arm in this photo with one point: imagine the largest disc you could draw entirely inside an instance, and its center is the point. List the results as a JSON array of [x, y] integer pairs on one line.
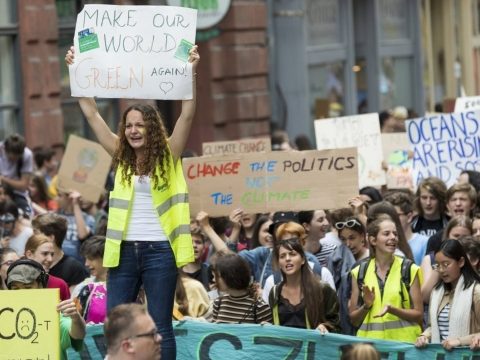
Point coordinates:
[[89, 108], [180, 133]]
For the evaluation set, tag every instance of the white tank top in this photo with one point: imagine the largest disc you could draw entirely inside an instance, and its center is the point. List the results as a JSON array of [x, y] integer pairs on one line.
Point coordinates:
[[143, 224]]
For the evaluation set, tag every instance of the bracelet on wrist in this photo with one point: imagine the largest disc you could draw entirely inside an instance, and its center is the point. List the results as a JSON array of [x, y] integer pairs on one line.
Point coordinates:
[[365, 307]]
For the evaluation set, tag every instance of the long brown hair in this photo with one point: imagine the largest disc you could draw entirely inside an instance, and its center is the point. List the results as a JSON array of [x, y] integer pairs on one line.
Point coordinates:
[[310, 285], [156, 147], [385, 208]]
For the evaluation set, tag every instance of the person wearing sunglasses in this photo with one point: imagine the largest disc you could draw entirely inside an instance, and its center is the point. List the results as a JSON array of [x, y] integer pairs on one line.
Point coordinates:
[[352, 233], [7, 257], [130, 333], [455, 302]]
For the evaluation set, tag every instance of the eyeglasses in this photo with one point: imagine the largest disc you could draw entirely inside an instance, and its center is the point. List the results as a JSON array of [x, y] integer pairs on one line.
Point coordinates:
[[349, 223], [154, 334], [441, 267], [8, 262]]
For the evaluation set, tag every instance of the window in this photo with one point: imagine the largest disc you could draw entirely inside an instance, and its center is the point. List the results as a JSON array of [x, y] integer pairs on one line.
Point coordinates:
[[327, 90], [396, 82], [323, 23], [394, 20], [9, 93]]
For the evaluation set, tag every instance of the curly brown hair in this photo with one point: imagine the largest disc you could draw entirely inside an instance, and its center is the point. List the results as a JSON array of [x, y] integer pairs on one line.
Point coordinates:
[[156, 147]]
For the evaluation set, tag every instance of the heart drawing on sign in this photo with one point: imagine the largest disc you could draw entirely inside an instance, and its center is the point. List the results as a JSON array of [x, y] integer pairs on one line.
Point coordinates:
[[166, 86]]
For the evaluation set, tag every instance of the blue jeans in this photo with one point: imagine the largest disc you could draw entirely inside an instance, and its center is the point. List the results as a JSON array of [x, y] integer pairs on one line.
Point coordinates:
[[153, 265]]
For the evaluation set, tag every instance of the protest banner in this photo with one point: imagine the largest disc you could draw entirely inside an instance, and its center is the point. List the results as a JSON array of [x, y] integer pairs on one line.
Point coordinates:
[[241, 146], [84, 168], [467, 103], [398, 159], [274, 181], [205, 341], [137, 52], [444, 145], [29, 329], [361, 131]]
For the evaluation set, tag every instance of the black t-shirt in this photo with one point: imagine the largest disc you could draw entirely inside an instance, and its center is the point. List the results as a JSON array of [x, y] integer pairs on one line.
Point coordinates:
[[434, 242], [427, 227], [202, 275], [70, 270]]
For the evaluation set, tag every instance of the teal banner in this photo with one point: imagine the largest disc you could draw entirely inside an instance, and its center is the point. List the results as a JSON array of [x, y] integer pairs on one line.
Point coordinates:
[[205, 341]]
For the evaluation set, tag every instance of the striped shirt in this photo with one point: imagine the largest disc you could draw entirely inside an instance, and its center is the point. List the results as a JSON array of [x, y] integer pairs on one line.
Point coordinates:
[[443, 322], [241, 310], [326, 251]]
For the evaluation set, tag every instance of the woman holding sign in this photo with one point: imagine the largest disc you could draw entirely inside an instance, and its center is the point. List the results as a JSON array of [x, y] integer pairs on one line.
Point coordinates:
[[148, 234]]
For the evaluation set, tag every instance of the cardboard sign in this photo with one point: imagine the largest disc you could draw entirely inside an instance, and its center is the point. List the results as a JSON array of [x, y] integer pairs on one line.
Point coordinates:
[[398, 158], [29, 324], [137, 52], [242, 146], [467, 103], [84, 168], [362, 131], [274, 181], [444, 145]]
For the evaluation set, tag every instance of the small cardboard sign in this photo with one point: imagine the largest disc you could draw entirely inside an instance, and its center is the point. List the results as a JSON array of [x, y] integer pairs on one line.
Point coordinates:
[[467, 103], [242, 146], [84, 168], [398, 158], [88, 40], [183, 50], [273, 181], [362, 131], [29, 324]]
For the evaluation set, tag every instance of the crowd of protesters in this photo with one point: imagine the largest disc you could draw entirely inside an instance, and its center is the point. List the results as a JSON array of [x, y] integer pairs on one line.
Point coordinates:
[[391, 264]]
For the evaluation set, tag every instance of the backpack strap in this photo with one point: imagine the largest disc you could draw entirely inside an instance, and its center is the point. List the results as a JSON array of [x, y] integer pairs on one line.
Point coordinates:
[[362, 271], [276, 318], [405, 278]]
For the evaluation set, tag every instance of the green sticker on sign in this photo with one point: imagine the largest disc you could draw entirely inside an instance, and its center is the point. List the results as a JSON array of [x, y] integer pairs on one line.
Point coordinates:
[[88, 40], [183, 50]]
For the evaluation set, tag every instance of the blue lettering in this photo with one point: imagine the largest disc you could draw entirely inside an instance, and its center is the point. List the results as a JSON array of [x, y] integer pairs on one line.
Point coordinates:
[[440, 151], [413, 132], [222, 199], [433, 129], [423, 132], [471, 116], [444, 128], [271, 165]]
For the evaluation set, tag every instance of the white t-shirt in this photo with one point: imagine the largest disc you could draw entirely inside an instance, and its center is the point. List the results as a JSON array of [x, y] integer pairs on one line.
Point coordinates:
[[143, 224]]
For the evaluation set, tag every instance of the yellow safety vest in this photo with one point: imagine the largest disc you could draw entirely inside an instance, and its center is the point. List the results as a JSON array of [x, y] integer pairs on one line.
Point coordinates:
[[389, 326], [171, 204]]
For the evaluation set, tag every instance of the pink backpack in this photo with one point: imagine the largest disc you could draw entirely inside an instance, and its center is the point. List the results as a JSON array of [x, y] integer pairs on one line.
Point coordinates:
[[94, 296]]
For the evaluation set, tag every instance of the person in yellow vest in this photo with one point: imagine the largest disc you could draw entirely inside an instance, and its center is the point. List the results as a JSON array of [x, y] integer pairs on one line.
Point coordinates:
[[145, 244], [386, 301]]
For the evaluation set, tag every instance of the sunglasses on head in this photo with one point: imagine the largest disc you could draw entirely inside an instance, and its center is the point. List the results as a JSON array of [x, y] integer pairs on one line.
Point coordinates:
[[349, 224], [290, 241]]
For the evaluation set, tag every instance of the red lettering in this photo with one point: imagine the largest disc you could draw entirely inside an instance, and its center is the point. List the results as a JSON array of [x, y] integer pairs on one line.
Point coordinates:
[[205, 170]]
